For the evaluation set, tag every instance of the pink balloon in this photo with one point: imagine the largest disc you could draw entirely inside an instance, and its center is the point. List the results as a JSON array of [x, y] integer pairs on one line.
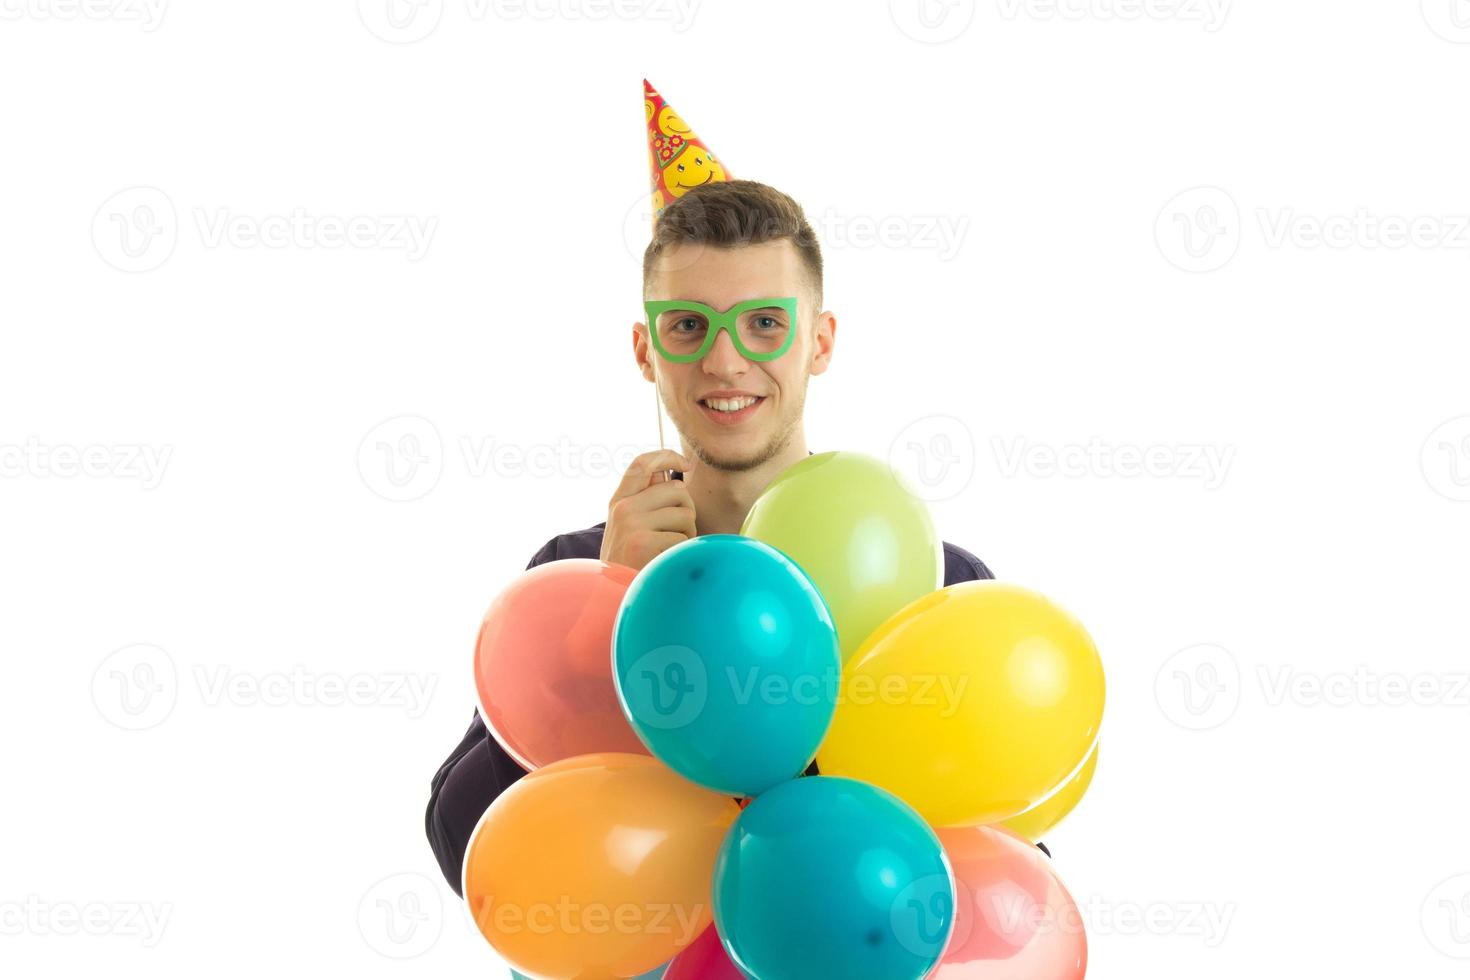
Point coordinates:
[[704, 959], [1013, 917], [543, 663]]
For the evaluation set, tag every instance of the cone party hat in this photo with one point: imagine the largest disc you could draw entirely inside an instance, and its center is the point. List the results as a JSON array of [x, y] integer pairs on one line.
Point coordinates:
[[678, 160]]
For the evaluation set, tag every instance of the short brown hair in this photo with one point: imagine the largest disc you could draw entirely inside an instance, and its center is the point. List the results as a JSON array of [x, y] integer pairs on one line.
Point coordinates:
[[731, 213]]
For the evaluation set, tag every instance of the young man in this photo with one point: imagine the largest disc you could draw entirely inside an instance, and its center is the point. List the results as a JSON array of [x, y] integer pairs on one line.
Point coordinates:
[[739, 422]]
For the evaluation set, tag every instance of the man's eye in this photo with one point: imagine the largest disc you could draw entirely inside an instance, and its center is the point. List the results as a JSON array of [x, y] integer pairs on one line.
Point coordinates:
[[691, 322]]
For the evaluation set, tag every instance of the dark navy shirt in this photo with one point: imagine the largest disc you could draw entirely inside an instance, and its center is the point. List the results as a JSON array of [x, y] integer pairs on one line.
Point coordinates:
[[479, 770]]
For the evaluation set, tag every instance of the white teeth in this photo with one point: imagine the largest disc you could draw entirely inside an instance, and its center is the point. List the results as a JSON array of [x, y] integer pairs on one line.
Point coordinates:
[[729, 404]]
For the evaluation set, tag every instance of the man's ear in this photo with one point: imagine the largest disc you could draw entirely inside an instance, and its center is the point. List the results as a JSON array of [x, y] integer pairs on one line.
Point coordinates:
[[641, 350], [824, 338]]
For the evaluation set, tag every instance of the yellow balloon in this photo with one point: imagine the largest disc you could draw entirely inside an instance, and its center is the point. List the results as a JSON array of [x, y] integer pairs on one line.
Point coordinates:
[[596, 867], [972, 704], [1045, 815], [857, 528]]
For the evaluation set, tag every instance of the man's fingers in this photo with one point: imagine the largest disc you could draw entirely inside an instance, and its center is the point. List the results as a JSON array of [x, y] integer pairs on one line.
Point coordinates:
[[663, 475], [678, 522], [670, 494], [640, 473]]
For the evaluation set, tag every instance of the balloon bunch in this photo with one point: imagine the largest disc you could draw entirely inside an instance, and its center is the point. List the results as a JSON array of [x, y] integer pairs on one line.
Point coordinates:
[[667, 717]]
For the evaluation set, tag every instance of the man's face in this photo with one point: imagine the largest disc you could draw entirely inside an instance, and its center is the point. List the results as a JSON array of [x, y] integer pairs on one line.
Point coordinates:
[[720, 278]]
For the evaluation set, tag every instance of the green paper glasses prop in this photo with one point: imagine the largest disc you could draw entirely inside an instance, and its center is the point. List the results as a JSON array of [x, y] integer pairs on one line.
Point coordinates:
[[684, 331]]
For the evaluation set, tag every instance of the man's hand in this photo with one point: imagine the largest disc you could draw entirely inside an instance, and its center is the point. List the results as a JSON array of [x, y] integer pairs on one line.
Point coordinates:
[[649, 513]]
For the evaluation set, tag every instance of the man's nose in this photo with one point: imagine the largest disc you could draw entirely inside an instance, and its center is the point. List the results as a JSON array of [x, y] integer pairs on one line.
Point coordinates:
[[723, 359]]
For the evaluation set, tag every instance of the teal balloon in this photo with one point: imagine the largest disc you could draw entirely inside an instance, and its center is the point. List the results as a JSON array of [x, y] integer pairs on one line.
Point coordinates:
[[726, 661], [826, 876]]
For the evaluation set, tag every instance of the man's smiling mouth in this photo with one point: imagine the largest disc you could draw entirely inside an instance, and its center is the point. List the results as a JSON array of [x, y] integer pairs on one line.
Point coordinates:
[[730, 411]]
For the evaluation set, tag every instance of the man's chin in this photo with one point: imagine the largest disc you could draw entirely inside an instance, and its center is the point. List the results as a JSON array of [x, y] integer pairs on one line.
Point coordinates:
[[736, 454]]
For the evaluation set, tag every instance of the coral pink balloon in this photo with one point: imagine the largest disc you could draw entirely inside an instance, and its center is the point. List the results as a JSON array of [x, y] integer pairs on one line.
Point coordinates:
[[543, 663], [1014, 919], [705, 959]]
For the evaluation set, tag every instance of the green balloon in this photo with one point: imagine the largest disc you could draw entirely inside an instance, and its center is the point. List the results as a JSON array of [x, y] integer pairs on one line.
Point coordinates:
[[858, 530]]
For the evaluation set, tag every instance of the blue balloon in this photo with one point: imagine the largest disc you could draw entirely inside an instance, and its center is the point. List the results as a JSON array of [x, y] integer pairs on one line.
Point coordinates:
[[726, 661], [826, 876]]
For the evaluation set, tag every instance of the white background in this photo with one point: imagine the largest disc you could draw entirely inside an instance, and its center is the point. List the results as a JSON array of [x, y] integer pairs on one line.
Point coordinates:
[[1174, 231]]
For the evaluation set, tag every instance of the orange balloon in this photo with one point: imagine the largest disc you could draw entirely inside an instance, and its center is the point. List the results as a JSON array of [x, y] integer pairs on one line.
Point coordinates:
[[1014, 919], [543, 663], [596, 867]]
